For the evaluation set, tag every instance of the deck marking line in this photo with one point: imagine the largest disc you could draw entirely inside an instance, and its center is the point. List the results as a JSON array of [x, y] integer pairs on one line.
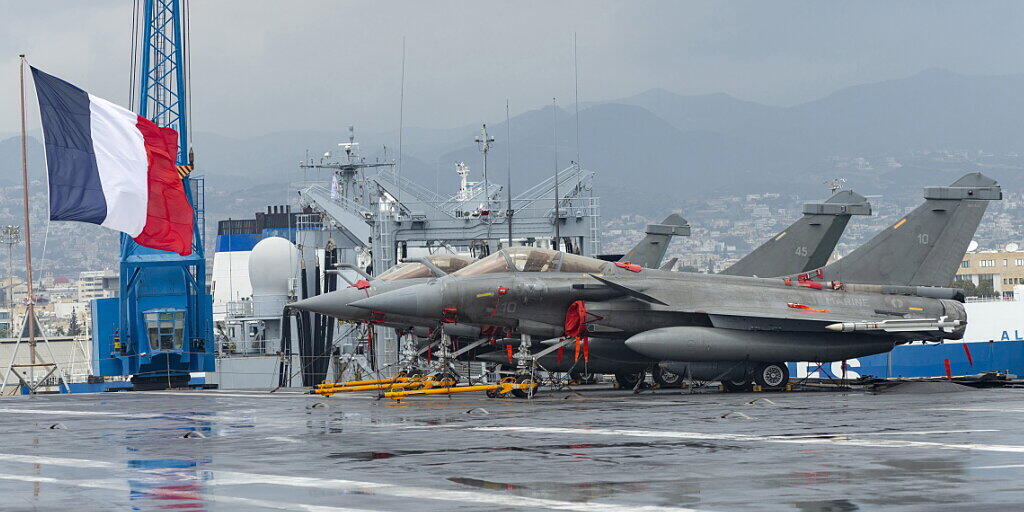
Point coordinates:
[[841, 440], [974, 409], [901, 433], [119, 485], [77, 413], [371, 488], [1002, 466], [206, 394]]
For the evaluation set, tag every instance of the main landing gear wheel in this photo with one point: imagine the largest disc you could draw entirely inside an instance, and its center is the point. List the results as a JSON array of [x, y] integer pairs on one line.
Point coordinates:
[[737, 386], [772, 376], [666, 378], [629, 380]]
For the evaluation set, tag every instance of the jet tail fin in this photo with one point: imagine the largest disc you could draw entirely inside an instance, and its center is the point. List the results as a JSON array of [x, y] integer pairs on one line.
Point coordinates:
[[651, 250], [925, 247], [807, 243], [669, 265]]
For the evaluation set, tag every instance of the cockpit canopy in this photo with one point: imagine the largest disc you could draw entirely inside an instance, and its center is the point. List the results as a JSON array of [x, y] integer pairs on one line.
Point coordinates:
[[531, 259], [412, 269]]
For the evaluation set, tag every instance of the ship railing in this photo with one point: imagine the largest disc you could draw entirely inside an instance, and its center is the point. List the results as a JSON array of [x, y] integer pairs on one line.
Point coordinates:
[[344, 202], [419, 192], [454, 204], [993, 298], [239, 308]]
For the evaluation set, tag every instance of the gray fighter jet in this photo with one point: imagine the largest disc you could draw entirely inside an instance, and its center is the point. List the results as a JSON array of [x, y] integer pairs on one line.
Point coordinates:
[[648, 252], [336, 303], [729, 328], [804, 245]]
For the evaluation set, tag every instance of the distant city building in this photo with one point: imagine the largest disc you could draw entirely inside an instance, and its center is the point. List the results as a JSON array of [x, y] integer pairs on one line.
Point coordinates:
[[97, 284], [1003, 269], [6, 323], [13, 291]]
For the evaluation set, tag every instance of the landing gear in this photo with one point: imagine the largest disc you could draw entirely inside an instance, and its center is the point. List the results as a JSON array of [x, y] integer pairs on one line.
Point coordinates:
[[666, 378], [737, 386], [629, 380], [446, 378], [772, 376], [525, 393], [580, 377]]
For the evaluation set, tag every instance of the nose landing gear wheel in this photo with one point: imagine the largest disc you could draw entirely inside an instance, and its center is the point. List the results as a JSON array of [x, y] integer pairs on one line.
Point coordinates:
[[446, 379], [772, 376], [666, 378], [525, 393]]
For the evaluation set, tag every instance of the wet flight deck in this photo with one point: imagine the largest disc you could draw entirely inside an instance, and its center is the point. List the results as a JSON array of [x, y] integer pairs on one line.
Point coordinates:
[[597, 450]]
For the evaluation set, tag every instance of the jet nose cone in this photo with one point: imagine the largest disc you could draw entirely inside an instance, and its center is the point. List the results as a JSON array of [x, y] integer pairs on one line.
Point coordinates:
[[335, 304], [421, 300]]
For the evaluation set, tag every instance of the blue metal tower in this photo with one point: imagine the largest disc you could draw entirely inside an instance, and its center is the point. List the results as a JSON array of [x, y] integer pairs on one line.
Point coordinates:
[[160, 327]]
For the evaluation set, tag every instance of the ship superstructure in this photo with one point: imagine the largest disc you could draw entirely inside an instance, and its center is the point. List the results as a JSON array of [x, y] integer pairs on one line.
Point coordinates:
[[358, 218]]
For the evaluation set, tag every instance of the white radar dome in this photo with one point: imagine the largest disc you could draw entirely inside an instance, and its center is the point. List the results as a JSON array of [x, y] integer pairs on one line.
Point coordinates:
[[272, 263]]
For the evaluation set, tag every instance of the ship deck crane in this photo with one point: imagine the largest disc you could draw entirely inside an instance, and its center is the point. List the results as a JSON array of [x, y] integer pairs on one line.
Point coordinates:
[[160, 327]]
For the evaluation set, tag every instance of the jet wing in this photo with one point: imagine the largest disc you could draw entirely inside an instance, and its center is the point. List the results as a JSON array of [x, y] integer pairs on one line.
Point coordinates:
[[797, 317]]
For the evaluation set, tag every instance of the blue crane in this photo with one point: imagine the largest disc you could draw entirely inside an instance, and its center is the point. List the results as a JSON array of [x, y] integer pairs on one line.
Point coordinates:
[[160, 327]]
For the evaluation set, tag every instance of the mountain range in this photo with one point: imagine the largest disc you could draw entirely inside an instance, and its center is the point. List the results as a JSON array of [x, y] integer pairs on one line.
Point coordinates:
[[656, 148]]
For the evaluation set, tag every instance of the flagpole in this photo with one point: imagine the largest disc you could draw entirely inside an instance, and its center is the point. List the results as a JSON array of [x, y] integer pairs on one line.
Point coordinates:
[[30, 313]]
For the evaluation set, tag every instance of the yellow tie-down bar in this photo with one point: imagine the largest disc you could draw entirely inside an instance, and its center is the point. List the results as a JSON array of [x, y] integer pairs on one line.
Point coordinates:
[[397, 378], [402, 383], [503, 387]]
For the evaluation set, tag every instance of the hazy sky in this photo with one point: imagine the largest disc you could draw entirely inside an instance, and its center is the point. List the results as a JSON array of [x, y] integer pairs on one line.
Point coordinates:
[[266, 66]]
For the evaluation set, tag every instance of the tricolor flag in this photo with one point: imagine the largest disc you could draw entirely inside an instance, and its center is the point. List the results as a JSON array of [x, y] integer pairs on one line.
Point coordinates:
[[108, 166]]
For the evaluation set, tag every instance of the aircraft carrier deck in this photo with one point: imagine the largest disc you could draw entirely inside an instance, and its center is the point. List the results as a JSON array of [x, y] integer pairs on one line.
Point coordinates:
[[597, 450]]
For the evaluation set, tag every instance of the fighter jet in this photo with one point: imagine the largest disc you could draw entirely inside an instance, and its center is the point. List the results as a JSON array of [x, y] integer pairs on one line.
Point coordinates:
[[729, 328], [807, 243], [648, 252], [336, 303], [804, 245]]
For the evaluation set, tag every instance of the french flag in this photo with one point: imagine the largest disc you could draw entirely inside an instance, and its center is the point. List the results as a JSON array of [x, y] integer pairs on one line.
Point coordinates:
[[108, 166]]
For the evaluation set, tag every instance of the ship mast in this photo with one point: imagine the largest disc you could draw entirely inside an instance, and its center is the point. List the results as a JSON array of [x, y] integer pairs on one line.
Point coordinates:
[[30, 311]]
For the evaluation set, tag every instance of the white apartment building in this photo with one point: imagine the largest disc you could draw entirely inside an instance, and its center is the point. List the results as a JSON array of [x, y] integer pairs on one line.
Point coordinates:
[[97, 284]]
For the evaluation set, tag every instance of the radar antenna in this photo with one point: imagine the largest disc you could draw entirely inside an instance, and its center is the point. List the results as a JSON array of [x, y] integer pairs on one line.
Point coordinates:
[[485, 142], [834, 184]]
